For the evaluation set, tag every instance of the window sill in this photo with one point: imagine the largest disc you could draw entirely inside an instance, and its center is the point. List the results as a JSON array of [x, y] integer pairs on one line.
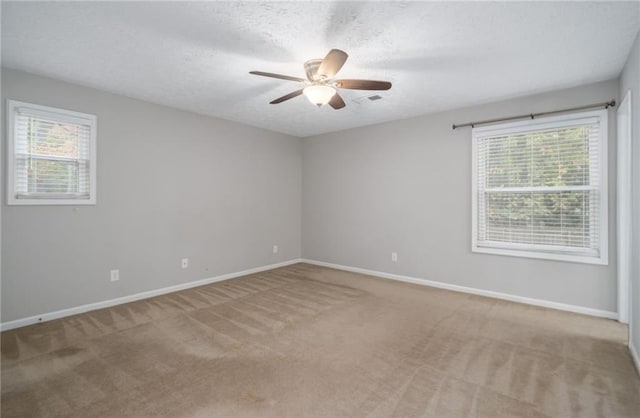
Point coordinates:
[[50, 202], [573, 258]]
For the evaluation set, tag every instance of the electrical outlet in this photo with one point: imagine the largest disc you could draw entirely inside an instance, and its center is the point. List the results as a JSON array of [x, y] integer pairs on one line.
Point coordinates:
[[115, 275], [394, 257], [275, 249], [185, 263]]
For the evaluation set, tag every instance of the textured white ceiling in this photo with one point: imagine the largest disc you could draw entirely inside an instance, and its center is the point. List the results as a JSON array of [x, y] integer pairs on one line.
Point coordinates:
[[439, 55]]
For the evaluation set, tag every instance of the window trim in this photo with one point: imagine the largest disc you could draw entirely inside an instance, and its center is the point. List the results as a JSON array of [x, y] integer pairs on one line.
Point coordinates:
[[529, 250], [62, 115]]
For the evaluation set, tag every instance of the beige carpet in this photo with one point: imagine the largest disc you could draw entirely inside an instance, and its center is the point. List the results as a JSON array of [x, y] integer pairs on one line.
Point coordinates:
[[310, 341]]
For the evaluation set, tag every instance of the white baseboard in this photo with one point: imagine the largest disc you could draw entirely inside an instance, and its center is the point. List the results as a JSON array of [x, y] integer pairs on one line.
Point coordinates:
[[635, 356], [456, 288], [131, 298], [471, 290]]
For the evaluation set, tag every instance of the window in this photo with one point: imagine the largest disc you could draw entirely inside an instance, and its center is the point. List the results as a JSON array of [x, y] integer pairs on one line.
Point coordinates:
[[540, 188], [51, 156]]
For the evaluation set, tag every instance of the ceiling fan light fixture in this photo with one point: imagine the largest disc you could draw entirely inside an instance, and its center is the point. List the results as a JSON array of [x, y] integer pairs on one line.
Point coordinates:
[[319, 94]]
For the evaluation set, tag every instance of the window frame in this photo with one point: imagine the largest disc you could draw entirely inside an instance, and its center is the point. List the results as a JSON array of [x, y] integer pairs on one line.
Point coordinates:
[[529, 250], [57, 114]]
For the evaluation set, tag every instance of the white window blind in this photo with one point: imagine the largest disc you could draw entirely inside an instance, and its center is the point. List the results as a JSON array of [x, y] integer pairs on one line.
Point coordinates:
[[53, 155], [540, 188]]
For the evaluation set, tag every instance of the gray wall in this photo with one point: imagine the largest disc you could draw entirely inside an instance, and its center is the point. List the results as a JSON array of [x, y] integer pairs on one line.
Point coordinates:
[[630, 80], [405, 186], [171, 184]]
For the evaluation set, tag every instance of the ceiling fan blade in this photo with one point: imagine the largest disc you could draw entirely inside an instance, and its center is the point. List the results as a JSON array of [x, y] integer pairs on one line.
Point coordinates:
[[280, 76], [287, 97], [336, 102], [332, 63], [362, 84]]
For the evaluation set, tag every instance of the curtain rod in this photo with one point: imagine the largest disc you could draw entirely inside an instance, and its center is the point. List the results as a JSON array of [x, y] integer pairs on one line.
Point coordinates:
[[606, 105]]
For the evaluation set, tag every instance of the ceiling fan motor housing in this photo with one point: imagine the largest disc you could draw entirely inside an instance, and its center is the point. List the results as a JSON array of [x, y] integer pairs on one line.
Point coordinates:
[[311, 68]]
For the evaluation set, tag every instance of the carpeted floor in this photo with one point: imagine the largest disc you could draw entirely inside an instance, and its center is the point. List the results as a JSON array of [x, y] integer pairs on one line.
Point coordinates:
[[311, 341]]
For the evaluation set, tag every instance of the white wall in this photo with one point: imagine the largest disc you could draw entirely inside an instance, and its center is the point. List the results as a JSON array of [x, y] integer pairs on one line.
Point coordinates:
[[405, 186], [630, 80], [171, 184]]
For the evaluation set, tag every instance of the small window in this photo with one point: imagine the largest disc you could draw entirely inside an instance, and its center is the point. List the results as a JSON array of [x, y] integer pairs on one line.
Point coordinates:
[[51, 156], [540, 188]]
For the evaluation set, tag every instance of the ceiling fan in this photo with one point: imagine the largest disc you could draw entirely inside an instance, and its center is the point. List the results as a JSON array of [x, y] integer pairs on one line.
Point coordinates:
[[321, 86]]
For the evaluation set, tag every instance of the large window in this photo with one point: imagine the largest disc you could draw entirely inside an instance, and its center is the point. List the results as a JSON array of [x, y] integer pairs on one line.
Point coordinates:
[[51, 156], [540, 188]]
